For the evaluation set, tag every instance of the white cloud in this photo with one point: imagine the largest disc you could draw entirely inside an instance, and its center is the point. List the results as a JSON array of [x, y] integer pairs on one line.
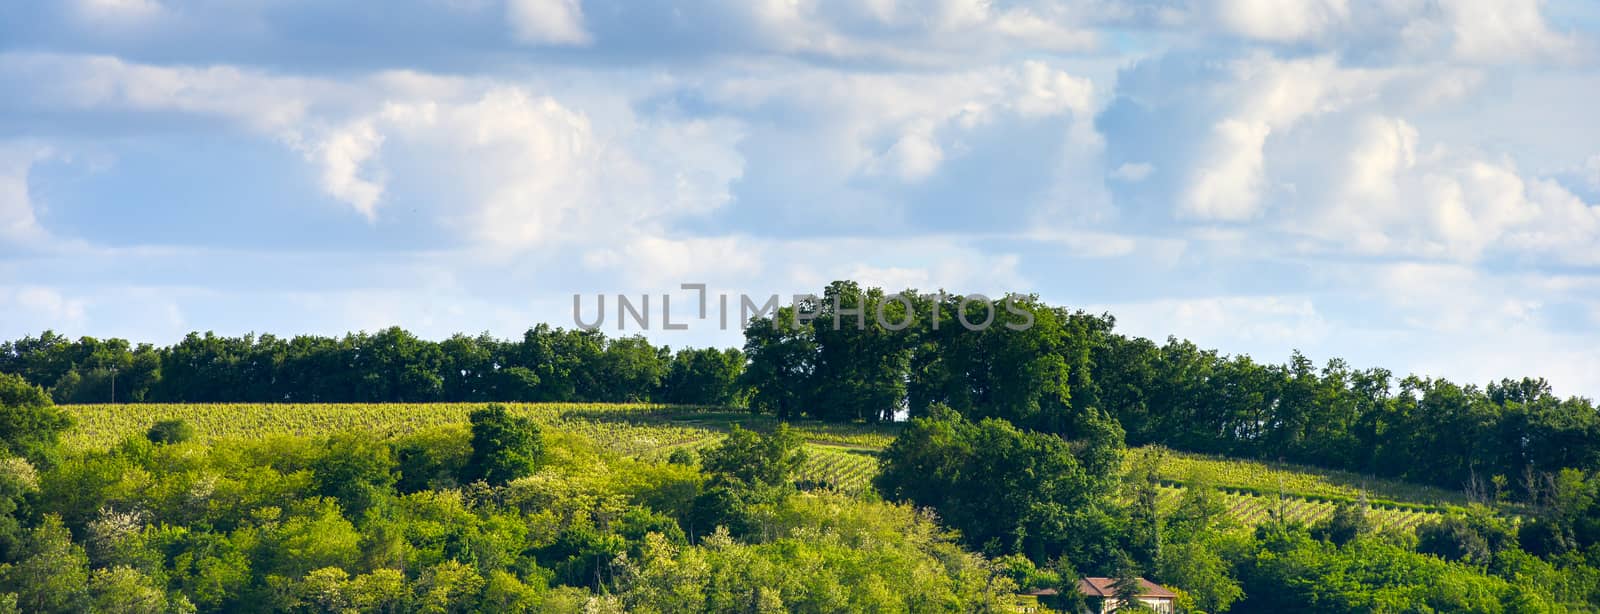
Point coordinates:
[[260, 101], [1473, 31], [521, 170], [1391, 195], [1268, 96], [342, 156], [916, 155], [910, 126], [1229, 187], [548, 22], [1494, 31], [19, 222], [1282, 20], [1045, 90]]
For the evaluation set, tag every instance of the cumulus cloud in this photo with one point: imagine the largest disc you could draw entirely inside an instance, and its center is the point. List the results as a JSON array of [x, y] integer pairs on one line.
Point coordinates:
[[1393, 194], [919, 129], [515, 169], [1496, 31], [342, 156], [548, 22]]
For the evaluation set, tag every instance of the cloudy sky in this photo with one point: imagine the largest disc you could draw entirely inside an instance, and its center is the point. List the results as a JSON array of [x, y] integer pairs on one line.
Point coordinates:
[[1412, 184]]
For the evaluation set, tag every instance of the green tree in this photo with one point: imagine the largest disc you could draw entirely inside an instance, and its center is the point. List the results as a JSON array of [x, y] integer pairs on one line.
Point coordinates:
[[1199, 570], [124, 590], [504, 446], [356, 468], [754, 459], [170, 431], [30, 424], [1126, 584], [51, 574], [1348, 522], [1004, 489]]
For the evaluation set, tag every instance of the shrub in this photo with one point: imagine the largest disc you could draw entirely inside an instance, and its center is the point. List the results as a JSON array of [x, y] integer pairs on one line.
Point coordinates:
[[170, 431]]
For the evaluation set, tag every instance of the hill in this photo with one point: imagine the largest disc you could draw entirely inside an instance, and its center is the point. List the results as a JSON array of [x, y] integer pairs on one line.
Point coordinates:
[[841, 456]]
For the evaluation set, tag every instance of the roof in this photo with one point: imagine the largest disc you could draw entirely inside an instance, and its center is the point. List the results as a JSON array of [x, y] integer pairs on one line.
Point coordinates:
[[1102, 587]]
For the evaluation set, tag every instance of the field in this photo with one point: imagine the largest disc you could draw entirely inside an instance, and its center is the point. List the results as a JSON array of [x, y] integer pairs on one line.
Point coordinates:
[[841, 456]]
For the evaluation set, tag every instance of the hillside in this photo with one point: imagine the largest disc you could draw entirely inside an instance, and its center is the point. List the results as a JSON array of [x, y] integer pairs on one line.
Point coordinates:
[[842, 456]]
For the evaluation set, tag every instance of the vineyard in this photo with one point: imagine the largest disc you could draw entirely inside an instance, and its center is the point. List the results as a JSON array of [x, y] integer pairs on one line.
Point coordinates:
[[839, 456], [1248, 510]]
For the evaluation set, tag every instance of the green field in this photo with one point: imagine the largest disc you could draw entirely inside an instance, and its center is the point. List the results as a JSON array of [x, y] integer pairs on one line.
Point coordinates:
[[841, 456]]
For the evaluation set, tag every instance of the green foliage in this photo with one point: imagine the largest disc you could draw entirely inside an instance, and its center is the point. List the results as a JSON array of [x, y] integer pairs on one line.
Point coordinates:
[[49, 572], [704, 377], [1348, 522], [504, 446], [1196, 567], [746, 470], [30, 424], [432, 459], [1004, 489], [355, 468], [756, 459], [1290, 571], [170, 431], [241, 521]]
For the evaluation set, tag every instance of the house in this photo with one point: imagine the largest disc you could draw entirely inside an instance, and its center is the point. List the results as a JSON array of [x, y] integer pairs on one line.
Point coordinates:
[[1101, 596]]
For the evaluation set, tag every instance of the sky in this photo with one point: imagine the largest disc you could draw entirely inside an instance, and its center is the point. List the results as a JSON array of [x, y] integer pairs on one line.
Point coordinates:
[[1407, 184]]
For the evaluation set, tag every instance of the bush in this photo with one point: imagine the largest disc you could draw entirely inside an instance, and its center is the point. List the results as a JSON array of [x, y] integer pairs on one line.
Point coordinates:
[[170, 431]]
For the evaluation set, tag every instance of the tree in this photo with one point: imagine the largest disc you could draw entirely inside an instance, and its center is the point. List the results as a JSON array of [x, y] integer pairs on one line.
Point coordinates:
[[1197, 568], [754, 459], [51, 573], [1126, 584], [170, 431], [782, 360], [124, 589], [704, 377], [747, 470], [30, 423], [504, 447], [1144, 520], [356, 468], [1348, 522], [1004, 489]]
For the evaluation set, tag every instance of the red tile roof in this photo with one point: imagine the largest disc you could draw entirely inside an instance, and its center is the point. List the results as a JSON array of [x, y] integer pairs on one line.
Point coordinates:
[[1102, 587]]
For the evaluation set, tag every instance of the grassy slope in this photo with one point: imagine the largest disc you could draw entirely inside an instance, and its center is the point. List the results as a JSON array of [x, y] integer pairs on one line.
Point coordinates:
[[842, 455]]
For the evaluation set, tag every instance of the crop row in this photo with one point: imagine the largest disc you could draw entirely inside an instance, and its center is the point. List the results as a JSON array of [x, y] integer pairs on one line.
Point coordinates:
[[1262, 477], [1249, 510]]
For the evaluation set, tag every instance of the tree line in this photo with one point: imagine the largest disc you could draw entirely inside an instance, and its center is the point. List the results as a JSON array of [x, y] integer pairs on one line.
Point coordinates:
[[391, 365], [1040, 367], [1503, 441]]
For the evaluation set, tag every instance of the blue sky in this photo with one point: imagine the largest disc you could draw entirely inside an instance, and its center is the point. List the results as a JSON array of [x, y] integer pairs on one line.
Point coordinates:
[[1413, 184]]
